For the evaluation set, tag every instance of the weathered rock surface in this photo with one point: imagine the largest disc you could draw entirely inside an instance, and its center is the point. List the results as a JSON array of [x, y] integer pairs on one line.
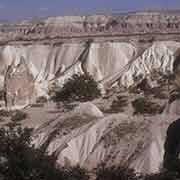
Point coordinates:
[[113, 139], [19, 85], [94, 25], [107, 62], [88, 109], [32, 58]]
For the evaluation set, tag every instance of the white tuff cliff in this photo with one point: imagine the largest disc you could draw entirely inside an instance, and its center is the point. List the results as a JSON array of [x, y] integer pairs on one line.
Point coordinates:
[[87, 136], [107, 62]]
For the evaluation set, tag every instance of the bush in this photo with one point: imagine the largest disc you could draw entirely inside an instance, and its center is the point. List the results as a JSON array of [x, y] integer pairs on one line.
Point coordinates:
[[4, 113], [124, 173], [41, 99], [19, 160], [18, 116], [2, 94], [115, 173], [119, 104], [159, 93], [162, 176], [75, 173], [144, 106], [78, 88], [174, 95]]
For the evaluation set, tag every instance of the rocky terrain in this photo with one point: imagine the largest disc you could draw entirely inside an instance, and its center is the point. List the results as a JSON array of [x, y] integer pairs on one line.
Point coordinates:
[[134, 58], [28, 72], [143, 26]]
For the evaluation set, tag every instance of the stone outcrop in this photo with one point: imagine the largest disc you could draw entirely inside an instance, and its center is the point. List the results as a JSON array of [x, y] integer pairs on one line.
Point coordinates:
[[113, 139], [137, 23], [32, 69], [36, 55], [19, 85]]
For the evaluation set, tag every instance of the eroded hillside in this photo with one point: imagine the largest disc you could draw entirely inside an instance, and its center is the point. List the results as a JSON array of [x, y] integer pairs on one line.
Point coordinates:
[[135, 62], [28, 72]]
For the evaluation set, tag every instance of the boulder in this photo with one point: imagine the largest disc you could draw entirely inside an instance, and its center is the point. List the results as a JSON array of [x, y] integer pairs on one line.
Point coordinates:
[[88, 109]]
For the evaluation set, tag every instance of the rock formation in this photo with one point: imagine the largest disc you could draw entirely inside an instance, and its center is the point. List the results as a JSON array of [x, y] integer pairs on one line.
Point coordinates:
[[107, 62], [132, 57], [94, 25]]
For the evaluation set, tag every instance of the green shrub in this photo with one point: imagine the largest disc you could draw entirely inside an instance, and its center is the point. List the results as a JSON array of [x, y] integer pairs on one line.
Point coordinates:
[[41, 99], [2, 94], [119, 104], [18, 116], [4, 113], [19, 160], [144, 106], [124, 173], [75, 173], [159, 93], [162, 176], [78, 88], [115, 173], [174, 95]]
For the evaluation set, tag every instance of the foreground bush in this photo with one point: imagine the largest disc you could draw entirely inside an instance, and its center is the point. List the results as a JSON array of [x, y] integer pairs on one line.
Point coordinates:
[[125, 173], [78, 87], [19, 160], [163, 176], [4, 113], [75, 173], [116, 173]]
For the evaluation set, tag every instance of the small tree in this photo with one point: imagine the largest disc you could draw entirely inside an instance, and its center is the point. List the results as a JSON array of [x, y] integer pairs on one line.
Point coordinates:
[[2, 94], [42, 99], [115, 173], [18, 116], [119, 104], [78, 87], [162, 176], [174, 95], [143, 106], [75, 173], [19, 160]]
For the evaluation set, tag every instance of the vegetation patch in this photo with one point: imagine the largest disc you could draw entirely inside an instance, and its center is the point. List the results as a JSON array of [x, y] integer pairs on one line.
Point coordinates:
[[115, 173], [162, 176], [174, 95], [144, 106], [41, 100], [19, 160], [4, 113], [125, 173], [2, 94], [118, 104], [78, 88], [75, 173], [18, 116]]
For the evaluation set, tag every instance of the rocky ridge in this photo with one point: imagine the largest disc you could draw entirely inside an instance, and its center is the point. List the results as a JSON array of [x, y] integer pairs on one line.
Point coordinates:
[[130, 69], [143, 25], [37, 67]]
